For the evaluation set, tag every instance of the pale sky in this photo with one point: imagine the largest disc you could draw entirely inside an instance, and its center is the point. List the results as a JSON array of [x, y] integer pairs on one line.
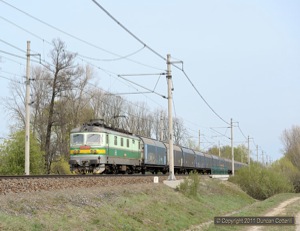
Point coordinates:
[[242, 56]]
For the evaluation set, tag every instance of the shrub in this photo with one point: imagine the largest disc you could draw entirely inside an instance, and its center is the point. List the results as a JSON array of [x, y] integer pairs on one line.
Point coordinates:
[[260, 182], [60, 167], [12, 155], [286, 167], [190, 185]]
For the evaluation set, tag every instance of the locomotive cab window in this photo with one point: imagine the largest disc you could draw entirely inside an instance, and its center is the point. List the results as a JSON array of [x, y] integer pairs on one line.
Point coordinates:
[[77, 139], [116, 140], [127, 143], [93, 139], [122, 141]]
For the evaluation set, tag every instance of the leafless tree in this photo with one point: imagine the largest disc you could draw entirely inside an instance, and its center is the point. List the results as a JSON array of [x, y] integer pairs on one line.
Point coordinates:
[[291, 141], [14, 105], [160, 124], [180, 132]]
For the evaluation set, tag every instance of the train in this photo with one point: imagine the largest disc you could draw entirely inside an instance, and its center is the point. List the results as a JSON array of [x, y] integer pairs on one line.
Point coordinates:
[[100, 149]]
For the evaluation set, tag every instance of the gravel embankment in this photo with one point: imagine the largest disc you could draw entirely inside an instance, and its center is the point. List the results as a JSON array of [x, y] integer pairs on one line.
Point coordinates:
[[28, 185]]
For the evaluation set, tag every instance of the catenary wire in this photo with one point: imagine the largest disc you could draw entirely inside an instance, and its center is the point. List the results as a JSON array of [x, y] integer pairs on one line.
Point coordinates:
[[128, 31], [77, 38]]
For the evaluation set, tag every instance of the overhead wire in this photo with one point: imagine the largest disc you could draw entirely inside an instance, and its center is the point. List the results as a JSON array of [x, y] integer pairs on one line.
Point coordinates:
[[204, 100], [11, 45], [128, 31], [80, 55], [79, 39], [21, 64], [139, 40], [10, 73], [119, 57], [116, 59], [11, 54], [241, 131], [12, 80], [27, 31]]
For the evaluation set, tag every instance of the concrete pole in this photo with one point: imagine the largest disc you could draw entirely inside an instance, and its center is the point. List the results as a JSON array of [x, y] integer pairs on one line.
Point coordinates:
[[170, 117], [257, 153], [199, 143], [161, 127], [249, 151], [27, 111], [232, 149]]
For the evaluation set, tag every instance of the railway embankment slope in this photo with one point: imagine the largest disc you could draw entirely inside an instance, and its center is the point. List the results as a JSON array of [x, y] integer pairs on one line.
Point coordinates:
[[139, 206]]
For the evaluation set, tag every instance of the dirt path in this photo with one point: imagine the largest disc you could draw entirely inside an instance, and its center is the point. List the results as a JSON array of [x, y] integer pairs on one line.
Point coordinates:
[[277, 211]]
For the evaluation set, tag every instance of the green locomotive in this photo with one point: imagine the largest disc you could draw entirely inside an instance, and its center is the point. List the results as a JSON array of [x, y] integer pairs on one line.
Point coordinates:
[[96, 148]]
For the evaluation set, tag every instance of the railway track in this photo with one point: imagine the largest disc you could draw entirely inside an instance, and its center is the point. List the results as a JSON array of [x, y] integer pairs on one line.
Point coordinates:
[[35, 183]]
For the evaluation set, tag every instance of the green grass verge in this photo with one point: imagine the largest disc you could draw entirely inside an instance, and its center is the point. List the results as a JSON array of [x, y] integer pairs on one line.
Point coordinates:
[[259, 209]]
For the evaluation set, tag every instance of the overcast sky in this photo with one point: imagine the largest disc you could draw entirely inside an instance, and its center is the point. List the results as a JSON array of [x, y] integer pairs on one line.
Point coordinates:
[[243, 57]]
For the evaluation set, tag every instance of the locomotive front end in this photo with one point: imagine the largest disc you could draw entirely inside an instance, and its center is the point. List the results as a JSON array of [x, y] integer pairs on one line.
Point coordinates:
[[88, 152]]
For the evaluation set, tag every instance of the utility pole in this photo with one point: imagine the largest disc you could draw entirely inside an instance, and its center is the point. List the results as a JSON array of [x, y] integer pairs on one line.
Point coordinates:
[[27, 111], [219, 149], [170, 88], [257, 153], [249, 151], [232, 150], [161, 127], [199, 140]]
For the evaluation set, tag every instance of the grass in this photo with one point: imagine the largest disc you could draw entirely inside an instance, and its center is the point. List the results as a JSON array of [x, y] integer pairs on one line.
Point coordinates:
[[259, 209], [150, 207]]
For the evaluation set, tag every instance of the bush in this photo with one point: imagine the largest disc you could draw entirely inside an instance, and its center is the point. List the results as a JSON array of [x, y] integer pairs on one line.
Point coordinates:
[[190, 185], [260, 182], [286, 167], [12, 155], [60, 167]]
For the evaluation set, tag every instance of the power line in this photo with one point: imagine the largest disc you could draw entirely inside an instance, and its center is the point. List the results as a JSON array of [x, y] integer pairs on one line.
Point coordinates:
[[21, 64], [56, 28], [10, 73], [128, 31], [116, 59], [203, 98], [27, 31], [150, 91], [115, 75], [144, 44], [242, 131], [12, 80], [84, 56], [8, 53], [9, 44], [77, 38]]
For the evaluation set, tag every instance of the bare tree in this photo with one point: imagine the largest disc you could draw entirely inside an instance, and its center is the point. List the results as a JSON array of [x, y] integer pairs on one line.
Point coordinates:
[[63, 75], [160, 124], [180, 132], [14, 105], [291, 141]]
